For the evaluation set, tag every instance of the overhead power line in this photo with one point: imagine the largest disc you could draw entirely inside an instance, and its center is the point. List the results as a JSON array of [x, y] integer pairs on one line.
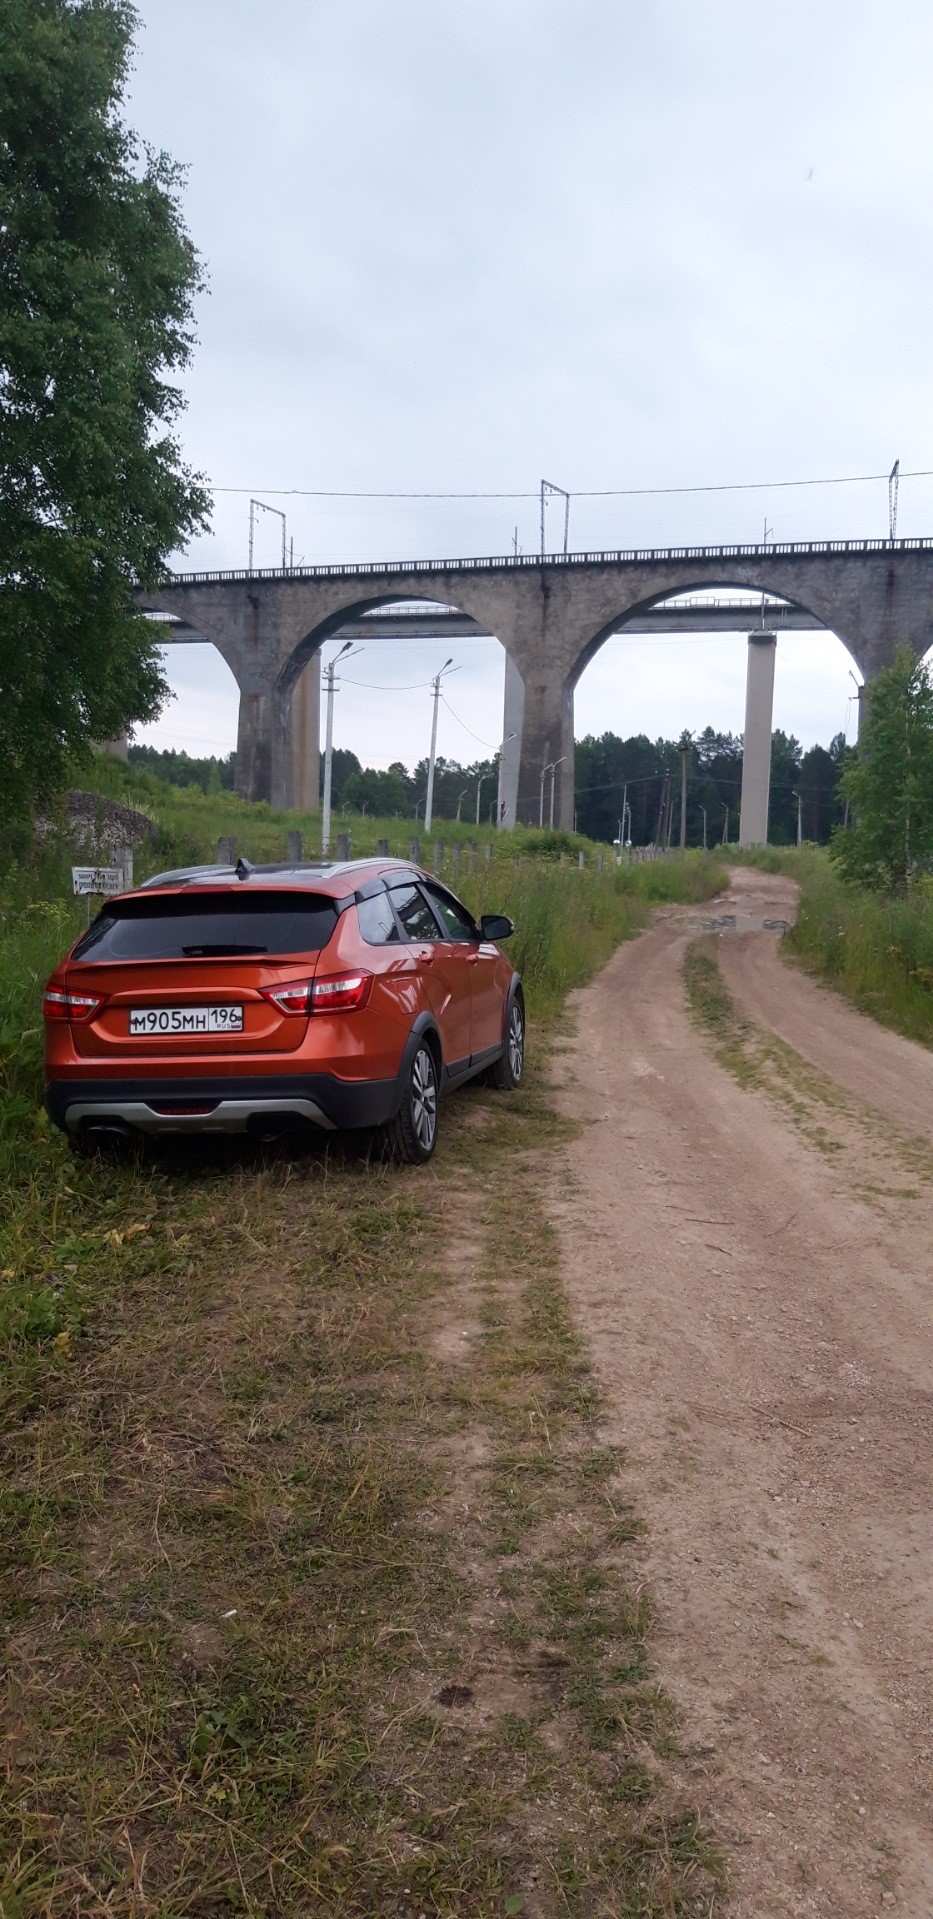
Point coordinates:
[[583, 493]]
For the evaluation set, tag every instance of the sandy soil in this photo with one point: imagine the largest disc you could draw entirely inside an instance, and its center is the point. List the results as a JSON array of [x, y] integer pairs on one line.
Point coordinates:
[[758, 1301]]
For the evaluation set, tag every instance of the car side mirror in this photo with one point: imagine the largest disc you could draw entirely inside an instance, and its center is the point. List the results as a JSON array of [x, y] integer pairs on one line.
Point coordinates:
[[495, 926]]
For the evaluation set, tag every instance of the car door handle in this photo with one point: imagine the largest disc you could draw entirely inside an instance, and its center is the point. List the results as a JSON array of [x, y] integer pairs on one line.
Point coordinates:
[[472, 959], [427, 955]]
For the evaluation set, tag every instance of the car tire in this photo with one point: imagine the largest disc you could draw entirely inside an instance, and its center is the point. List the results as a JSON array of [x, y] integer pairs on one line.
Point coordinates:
[[412, 1135], [509, 1069]]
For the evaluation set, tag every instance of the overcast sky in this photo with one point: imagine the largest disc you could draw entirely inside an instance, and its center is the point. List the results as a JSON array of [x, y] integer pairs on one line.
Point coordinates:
[[453, 249]]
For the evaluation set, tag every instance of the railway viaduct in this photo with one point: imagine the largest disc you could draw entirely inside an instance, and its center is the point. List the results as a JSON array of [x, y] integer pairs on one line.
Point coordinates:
[[551, 615]]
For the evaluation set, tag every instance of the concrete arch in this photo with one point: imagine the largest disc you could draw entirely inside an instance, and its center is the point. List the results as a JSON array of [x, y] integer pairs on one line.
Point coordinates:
[[335, 625], [643, 608], [764, 634]]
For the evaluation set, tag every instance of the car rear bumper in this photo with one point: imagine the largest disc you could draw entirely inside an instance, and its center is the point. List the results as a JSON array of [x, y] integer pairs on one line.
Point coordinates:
[[215, 1105]]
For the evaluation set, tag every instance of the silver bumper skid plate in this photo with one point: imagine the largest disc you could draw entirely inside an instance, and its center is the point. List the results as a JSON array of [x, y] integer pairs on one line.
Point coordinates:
[[225, 1116]]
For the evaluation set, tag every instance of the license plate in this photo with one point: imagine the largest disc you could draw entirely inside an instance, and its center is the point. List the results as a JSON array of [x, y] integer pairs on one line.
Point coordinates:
[[155, 1020]]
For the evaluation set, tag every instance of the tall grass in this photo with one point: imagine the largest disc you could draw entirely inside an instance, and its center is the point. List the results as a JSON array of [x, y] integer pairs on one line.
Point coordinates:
[[567, 923], [187, 824], [54, 1209], [875, 949]]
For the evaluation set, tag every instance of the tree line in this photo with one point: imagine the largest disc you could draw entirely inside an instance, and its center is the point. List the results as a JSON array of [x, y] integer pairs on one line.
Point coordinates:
[[607, 769], [647, 773]]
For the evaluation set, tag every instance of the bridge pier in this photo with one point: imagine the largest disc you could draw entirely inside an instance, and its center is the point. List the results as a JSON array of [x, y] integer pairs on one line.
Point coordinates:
[[546, 740], [254, 743], [510, 756], [756, 757], [278, 743], [305, 740]]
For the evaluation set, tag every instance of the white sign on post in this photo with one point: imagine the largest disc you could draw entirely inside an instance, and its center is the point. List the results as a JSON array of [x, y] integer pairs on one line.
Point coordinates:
[[104, 880]]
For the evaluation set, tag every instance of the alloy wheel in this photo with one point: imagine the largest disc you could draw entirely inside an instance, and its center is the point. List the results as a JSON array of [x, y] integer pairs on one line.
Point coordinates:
[[516, 1043], [424, 1098]]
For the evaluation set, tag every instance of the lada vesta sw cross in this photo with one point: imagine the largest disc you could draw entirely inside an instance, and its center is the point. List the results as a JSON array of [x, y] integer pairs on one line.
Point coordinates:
[[220, 999]]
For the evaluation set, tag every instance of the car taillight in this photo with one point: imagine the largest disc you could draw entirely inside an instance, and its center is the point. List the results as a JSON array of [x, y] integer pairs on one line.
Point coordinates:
[[71, 1006], [294, 998], [341, 993]]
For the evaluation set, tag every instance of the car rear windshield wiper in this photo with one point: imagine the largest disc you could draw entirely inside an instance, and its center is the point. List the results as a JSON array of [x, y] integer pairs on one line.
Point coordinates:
[[220, 951]]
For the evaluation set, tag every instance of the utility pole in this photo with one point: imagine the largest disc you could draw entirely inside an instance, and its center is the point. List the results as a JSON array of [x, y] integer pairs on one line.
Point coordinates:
[[662, 815], [703, 811], [554, 766], [546, 488], [894, 480], [330, 687], [725, 830], [685, 744], [797, 797], [544, 772], [859, 690], [259, 506], [461, 799], [429, 798]]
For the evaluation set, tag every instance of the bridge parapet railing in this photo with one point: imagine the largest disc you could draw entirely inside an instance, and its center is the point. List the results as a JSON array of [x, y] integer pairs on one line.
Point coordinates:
[[510, 562]]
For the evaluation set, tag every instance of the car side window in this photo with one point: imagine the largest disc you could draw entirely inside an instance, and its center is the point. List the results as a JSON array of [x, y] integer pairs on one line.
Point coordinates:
[[454, 918], [417, 920], [377, 921]]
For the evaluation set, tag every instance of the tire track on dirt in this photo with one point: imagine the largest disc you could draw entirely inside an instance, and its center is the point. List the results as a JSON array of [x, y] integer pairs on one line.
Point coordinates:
[[759, 1316]]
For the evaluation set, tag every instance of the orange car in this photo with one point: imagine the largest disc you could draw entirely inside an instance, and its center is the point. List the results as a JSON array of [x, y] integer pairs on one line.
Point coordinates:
[[258, 998]]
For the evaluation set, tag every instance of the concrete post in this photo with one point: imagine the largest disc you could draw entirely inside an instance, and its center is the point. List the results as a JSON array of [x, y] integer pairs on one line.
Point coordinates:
[[295, 846], [438, 856], [343, 846], [414, 852], [756, 760], [226, 850], [382, 849]]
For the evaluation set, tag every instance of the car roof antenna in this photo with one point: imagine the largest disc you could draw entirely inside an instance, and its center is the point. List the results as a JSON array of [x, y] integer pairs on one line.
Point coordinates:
[[243, 868]]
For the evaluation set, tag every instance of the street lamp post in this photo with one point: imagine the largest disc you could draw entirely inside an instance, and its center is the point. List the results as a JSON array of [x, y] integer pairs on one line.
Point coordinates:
[[796, 796], [554, 766], [330, 687], [429, 800]]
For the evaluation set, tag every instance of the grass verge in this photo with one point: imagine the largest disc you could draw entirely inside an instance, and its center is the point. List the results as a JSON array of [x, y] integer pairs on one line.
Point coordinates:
[[876, 951], [312, 1604], [318, 1590]]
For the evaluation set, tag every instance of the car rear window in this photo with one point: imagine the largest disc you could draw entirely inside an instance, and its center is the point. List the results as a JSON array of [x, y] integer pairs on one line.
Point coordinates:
[[209, 926]]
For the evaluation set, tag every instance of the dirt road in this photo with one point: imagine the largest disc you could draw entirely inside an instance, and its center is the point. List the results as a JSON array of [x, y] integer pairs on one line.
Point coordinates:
[[751, 1266]]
